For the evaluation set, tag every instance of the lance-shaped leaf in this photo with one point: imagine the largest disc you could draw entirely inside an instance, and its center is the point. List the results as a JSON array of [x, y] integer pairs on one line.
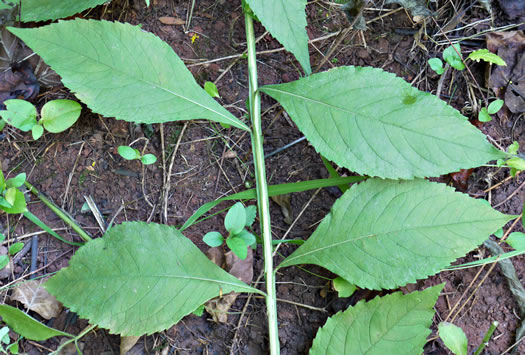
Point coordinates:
[[385, 233], [26, 325], [121, 71], [43, 10], [393, 324], [140, 278], [376, 124], [286, 21]]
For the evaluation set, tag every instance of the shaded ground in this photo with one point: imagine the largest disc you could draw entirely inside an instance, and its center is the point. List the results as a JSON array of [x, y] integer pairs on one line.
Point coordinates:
[[83, 162]]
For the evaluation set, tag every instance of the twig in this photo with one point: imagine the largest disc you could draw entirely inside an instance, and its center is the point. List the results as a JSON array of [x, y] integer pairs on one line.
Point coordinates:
[[168, 178]]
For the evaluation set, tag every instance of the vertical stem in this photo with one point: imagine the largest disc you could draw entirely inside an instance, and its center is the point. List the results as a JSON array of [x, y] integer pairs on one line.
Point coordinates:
[[262, 189]]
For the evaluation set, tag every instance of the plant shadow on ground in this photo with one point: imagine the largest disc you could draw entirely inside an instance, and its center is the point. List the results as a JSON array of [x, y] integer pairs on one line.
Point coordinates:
[[84, 162]]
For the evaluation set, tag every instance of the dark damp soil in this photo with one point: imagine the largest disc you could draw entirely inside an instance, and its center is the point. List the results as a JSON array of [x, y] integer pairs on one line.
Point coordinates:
[[210, 162]]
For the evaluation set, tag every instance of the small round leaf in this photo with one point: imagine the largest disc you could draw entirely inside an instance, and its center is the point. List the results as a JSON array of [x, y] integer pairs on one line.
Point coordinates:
[[453, 337], [211, 89], [238, 247], [213, 239], [513, 148], [484, 115], [343, 287], [20, 114], [148, 159], [128, 153], [249, 239], [15, 248], [436, 65], [251, 212], [451, 56], [37, 131], [235, 219], [516, 163], [18, 202], [59, 115], [495, 106], [4, 260], [17, 181]]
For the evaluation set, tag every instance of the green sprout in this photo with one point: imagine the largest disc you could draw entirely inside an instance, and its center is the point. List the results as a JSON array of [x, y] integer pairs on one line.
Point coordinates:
[[129, 153], [238, 239]]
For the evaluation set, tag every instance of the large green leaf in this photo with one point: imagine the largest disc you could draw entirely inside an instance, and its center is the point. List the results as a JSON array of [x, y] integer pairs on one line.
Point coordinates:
[[43, 10], [27, 326], [393, 324], [286, 21], [376, 124], [140, 278], [385, 233], [121, 71]]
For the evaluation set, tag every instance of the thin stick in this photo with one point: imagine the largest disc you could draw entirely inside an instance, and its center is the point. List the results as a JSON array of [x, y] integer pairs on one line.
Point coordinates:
[[168, 177]]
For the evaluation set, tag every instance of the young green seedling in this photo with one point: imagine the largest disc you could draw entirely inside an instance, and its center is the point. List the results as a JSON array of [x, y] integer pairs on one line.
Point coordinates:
[[514, 162], [493, 108], [12, 200], [238, 239], [211, 89], [13, 249], [456, 341], [452, 57], [56, 116], [6, 346], [129, 153]]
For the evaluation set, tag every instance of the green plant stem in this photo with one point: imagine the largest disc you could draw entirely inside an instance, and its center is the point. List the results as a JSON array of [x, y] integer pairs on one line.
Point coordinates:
[[58, 211], [75, 339], [263, 200], [486, 338]]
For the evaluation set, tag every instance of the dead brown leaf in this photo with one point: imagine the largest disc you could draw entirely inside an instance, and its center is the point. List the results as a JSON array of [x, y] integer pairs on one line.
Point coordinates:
[[514, 9], [286, 207], [36, 298], [168, 20], [126, 343], [507, 81], [241, 269]]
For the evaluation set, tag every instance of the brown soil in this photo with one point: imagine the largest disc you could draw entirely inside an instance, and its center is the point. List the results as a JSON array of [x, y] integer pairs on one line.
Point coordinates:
[[84, 162]]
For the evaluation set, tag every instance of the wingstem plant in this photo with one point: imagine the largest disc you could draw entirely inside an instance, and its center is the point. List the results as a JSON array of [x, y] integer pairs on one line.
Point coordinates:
[[390, 230]]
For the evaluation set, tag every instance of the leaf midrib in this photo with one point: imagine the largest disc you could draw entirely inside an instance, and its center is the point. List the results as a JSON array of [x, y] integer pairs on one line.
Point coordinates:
[[361, 116], [134, 276], [151, 83], [333, 245]]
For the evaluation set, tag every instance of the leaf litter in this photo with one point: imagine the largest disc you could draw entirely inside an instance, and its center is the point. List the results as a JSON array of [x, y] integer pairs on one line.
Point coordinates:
[[508, 81]]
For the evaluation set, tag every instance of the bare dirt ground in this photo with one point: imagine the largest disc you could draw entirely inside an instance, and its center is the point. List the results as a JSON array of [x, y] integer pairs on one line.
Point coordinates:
[[210, 163]]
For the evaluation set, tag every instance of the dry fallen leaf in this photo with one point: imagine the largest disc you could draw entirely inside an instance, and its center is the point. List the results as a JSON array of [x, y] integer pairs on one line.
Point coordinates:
[[36, 298], [168, 20], [242, 269], [126, 343], [286, 207], [506, 81]]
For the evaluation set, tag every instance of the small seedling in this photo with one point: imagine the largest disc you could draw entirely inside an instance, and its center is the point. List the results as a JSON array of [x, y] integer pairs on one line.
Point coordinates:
[[56, 116], [12, 200], [436, 65], [456, 341], [211, 89], [343, 287], [515, 162], [452, 55], [239, 239], [493, 108], [6, 346], [453, 58], [13, 249], [129, 153], [487, 56]]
